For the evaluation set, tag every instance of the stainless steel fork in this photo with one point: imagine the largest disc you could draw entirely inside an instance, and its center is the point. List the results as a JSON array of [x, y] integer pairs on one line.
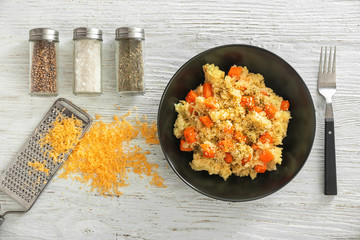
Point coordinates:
[[327, 88]]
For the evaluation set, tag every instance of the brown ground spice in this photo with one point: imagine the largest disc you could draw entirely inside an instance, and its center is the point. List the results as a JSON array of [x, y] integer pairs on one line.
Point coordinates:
[[43, 68]]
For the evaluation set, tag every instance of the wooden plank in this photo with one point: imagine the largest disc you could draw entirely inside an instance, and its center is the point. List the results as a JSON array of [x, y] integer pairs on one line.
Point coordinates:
[[176, 31]]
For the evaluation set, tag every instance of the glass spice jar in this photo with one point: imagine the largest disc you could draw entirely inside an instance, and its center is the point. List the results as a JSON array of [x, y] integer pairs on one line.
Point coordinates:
[[129, 60], [87, 61], [43, 43]]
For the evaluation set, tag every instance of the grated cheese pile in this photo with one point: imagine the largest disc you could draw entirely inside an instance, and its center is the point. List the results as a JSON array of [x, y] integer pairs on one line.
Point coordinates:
[[149, 133], [61, 137], [104, 156], [39, 166]]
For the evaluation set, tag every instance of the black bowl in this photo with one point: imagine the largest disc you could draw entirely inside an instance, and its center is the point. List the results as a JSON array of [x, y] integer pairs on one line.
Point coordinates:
[[279, 76]]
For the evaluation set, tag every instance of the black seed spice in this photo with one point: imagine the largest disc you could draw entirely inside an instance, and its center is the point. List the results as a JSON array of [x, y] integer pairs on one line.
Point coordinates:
[[43, 68], [130, 66]]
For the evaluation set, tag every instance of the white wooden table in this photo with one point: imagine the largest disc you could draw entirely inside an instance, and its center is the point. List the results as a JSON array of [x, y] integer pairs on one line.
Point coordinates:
[[176, 31]]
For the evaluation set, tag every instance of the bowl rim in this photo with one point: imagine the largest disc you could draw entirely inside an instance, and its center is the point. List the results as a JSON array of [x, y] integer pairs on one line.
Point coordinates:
[[168, 158]]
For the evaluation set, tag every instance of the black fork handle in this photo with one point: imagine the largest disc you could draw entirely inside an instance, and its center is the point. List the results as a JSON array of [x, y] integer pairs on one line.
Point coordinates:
[[330, 159]]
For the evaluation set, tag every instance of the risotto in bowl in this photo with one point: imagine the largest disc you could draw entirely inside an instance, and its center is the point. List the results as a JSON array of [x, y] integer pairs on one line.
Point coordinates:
[[236, 123], [233, 124]]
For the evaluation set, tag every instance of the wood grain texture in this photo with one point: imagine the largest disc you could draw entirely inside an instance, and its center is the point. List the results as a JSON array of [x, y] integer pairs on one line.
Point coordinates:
[[176, 31]]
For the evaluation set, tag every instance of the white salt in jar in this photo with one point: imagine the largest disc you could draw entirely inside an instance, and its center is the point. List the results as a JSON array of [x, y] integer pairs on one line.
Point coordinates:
[[87, 61]]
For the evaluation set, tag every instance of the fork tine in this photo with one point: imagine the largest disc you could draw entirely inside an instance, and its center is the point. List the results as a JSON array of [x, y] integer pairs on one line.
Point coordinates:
[[320, 63], [334, 61], [329, 65], [325, 62]]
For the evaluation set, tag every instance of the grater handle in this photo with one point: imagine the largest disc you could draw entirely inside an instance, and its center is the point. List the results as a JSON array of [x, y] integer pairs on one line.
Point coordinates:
[[2, 216]]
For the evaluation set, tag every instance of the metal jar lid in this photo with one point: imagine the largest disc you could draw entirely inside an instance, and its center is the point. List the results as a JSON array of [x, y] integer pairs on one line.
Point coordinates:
[[129, 32], [38, 34], [87, 33]]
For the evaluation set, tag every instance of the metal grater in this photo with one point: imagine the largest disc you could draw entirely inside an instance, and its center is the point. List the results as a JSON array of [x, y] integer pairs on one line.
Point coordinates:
[[16, 181]]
